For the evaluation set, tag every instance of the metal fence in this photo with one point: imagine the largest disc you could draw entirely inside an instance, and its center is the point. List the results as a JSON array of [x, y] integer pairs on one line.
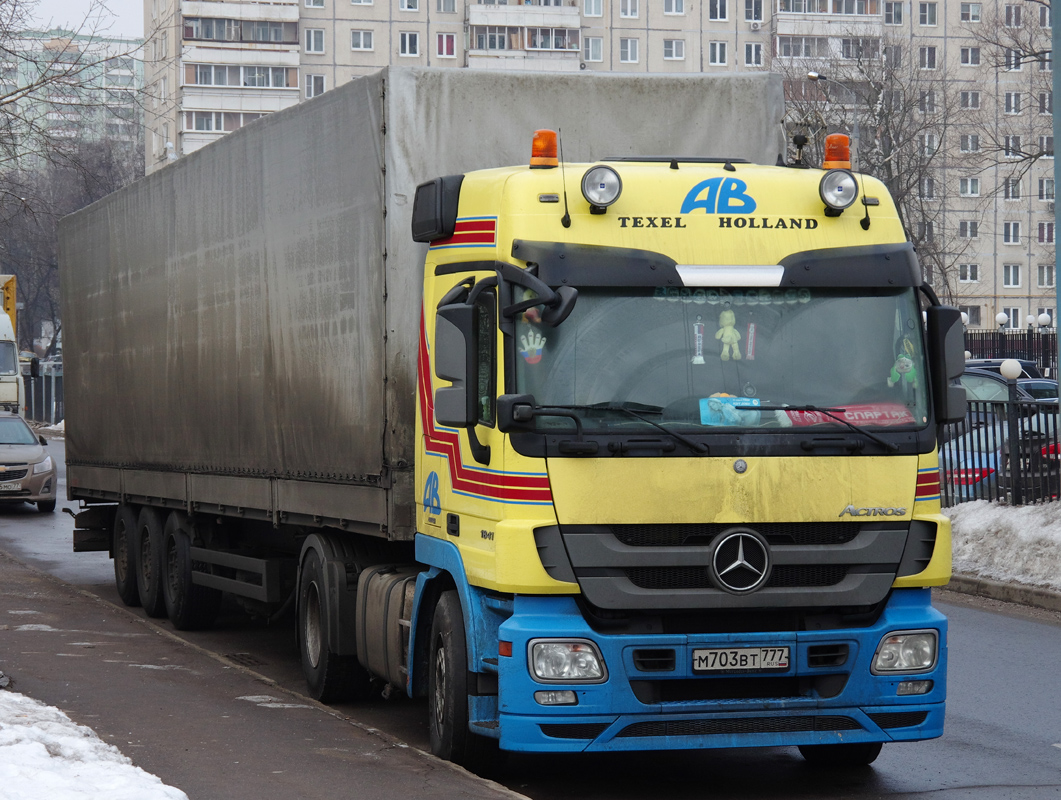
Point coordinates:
[[44, 395], [978, 461], [1035, 345]]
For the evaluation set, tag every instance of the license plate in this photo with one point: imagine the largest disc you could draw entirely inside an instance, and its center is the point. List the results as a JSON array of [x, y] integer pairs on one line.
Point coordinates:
[[740, 659], [11, 486]]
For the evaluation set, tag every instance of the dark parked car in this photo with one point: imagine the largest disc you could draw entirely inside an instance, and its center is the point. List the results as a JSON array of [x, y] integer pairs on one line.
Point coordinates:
[[27, 473], [1030, 368]]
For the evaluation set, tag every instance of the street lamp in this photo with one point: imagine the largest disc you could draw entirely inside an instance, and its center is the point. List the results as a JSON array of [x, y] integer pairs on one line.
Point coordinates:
[[1001, 319], [1011, 370]]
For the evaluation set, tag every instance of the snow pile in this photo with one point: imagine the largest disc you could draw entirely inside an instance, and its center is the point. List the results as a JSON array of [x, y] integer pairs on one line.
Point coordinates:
[[59, 428], [44, 754], [1008, 544]]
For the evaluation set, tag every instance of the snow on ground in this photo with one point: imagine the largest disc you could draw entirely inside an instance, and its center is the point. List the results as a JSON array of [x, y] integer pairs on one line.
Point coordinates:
[[44, 754], [1008, 544]]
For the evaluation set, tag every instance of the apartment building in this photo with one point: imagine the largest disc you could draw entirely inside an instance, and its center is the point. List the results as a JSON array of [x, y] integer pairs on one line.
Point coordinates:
[[960, 76]]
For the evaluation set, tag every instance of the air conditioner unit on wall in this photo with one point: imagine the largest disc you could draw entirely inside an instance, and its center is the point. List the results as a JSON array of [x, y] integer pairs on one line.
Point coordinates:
[[756, 25]]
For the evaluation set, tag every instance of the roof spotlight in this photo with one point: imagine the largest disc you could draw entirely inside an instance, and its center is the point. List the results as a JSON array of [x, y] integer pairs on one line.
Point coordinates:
[[601, 186], [838, 191]]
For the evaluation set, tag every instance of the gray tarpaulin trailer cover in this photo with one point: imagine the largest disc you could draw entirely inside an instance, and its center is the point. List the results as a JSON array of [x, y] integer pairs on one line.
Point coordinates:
[[240, 328]]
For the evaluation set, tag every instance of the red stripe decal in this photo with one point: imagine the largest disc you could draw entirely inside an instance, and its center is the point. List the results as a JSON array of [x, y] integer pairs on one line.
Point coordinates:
[[491, 485], [473, 231]]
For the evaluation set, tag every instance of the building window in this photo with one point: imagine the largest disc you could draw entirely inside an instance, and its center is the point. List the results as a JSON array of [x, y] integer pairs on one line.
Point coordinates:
[[447, 45], [314, 3], [1046, 17], [1046, 102], [927, 188], [753, 54], [969, 99], [1014, 313], [1048, 311], [716, 53], [717, 10], [361, 2], [969, 273], [968, 229], [969, 187], [673, 6], [928, 144], [928, 57], [409, 5], [970, 56], [1046, 233], [1046, 188], [1011, 189], [1013, 102], [592, 8], [674, 49], [361, 40], [970, 12], [492, 37], [593, 48], [802, 46], [1011, 60], [1011, 147], [970, 143], [409, 44], [753, 10], [855, 7], [927, 102], [314, 40], [926, 231], [1046, 281], [859, 48], [893, 13], [1013, 16], [314, 85], [1011, 233], [973, 313], [1011, 276], [628, 9], [927, 14], [447, 6], [628, 51], [232, 75], [553, 39], [1046, 146]]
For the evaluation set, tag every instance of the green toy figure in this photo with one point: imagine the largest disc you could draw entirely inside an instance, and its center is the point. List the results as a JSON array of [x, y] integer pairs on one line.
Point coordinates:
[[728, 335], [903, 370]]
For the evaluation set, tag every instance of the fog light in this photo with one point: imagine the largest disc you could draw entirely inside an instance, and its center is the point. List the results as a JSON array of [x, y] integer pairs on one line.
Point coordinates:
[[906, 651], [838, 189], [561, 698], [601, 186], [566, 662], [915, 687]]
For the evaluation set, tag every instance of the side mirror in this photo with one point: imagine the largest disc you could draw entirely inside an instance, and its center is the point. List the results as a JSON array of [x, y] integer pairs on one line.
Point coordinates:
[[946, 362], [35, 367], [455, 362], [514, 411], [42, 440]]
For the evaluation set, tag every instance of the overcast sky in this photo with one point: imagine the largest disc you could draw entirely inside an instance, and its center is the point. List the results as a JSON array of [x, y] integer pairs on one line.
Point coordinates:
[[125, 17]]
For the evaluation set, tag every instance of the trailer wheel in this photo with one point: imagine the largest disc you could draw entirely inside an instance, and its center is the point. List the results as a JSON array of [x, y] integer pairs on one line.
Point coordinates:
[[124, 550], [149, 562], [330, 677], [447, 692], [189, 606], [856, 754]]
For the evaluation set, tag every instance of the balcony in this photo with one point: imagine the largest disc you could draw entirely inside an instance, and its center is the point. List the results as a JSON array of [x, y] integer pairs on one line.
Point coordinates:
[[533, 16]]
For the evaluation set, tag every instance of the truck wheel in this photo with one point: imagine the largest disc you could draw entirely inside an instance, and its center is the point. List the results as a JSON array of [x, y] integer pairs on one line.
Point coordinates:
[[330, 678], [447, 691], [149, 562], [857, 754], [189, 606], [122, 546]]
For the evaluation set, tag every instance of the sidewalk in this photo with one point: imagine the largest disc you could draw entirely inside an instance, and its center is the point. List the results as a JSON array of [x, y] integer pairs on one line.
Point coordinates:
[[199, 723]]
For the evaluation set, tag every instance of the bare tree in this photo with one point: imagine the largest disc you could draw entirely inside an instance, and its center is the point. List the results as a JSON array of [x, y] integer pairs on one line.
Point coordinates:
[[895, 95]]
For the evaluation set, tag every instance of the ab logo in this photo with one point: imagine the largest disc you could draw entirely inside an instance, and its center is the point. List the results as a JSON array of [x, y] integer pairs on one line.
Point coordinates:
[[432, 503], [719, 196]]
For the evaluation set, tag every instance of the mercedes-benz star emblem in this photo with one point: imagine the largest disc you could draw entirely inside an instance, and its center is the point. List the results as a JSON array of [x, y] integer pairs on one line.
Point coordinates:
[[741, 562]]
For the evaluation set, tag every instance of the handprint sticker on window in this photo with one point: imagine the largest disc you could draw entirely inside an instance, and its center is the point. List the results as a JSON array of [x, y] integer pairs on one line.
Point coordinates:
[[533, 344]]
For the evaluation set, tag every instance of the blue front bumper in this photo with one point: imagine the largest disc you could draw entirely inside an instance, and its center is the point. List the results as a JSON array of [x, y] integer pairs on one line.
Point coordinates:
[[822, 698]]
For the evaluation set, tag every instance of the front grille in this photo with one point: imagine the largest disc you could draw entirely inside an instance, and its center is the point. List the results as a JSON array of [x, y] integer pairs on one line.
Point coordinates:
[[799, 533], [583, 730], [783, 575], [654, 660], [827, 655], [707, 727], [899, 719], [14, 473]]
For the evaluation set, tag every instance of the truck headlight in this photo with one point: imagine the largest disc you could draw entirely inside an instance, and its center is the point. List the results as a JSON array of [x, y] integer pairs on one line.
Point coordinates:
[[570, 661], [838, 189], [601, 186], [906, 651], [43, 466]]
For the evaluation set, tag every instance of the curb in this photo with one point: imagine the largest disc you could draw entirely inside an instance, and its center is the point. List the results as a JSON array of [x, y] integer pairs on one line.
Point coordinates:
[[1007, 592]]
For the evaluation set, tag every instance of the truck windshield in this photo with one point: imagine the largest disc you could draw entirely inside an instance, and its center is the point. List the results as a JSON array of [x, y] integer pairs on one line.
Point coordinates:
[[8, 361], [730, 358]]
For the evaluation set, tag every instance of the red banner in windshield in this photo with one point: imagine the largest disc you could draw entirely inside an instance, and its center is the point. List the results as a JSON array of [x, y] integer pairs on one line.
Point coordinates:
[[873, 414]]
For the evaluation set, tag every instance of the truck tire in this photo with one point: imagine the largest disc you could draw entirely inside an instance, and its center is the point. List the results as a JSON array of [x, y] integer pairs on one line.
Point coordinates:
[[856, 754], [189, 606], [124, 552], [447, 692], [149, 562], [330, 678]]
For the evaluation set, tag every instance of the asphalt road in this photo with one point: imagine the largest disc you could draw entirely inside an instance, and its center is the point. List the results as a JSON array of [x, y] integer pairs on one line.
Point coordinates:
[[1002, 738]]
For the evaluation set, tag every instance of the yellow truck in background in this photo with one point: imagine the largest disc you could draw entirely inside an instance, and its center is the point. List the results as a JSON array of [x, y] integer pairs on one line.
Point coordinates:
[[12, 387]]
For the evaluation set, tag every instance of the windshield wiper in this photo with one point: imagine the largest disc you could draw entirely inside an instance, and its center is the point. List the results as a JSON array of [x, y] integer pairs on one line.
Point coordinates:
[[628, 408], [832, 414]]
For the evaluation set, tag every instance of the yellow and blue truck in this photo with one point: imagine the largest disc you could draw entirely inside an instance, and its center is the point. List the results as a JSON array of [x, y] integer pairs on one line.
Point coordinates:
[[635, 451]]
